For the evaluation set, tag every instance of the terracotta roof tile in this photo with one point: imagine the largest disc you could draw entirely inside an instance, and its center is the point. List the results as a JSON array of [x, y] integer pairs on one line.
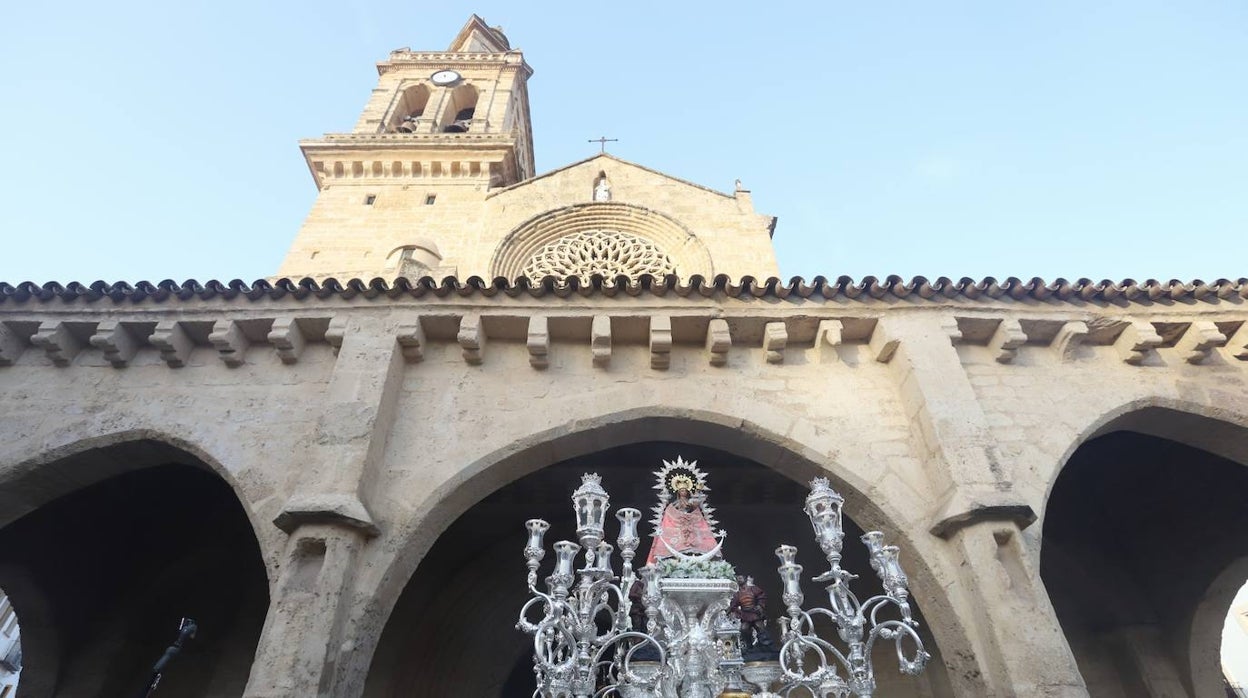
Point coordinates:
[[1060, 290]]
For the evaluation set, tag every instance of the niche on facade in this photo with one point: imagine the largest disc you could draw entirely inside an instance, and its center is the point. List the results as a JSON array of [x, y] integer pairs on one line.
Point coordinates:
[[460, 110], [410, 110], [602, 188]]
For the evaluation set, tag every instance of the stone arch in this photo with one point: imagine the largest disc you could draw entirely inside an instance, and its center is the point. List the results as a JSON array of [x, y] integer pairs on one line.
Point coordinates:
[[667, 235], [1205, 637], [410, 110], [28, 484], [1167, 418], [1141, 503], [417, 258], [782, 455], [459, 109], [156, 524]]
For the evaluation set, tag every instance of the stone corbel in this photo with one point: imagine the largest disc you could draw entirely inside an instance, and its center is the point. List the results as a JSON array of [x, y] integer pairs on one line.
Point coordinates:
[[660, 342], [883, 344], [775, 340], [57, 342], [1136, 341], [600, 340], [12, 345], [1198, 341], [174, 345], [472, 338], [411, 339], [288, 339], [231, 344], [966, 507], [1238, 343], [1068, 339], [827, 339], [1004, 343], [335, 333], [949, 325], [117, 341], [718, 341], [538, 341]]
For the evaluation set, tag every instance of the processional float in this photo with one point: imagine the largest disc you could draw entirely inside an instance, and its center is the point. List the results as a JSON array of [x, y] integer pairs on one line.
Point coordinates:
[[684, 624]]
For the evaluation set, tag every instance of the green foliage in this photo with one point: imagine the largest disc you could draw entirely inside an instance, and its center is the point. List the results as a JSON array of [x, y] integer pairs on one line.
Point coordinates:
[[702, 569]]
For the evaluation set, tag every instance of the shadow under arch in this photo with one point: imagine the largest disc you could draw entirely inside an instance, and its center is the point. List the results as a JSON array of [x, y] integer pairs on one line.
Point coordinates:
[[32, 482], [1142, 524], [741, 438], [108, 541]]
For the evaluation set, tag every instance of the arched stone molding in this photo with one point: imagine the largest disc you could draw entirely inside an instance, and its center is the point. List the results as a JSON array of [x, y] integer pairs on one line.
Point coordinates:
[[40, 660], [160, 572], [788, 456], [1177, 634], [1220, 430], [58, 470], [1205, 640], [672, 237]]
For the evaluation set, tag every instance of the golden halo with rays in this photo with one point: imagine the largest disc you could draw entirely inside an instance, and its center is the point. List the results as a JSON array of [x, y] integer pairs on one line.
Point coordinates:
[[683, 478]]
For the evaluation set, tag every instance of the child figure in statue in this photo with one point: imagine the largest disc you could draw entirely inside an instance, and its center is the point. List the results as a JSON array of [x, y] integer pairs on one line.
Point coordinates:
[[683, 525]]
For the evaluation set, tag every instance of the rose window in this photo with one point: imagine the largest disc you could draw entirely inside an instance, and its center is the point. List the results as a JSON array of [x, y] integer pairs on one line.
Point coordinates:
[[599, 252]]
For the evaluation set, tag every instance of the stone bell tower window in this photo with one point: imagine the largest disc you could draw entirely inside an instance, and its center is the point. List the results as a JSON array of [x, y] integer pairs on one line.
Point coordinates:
[[608, 253], [461, 110], [410, 108]]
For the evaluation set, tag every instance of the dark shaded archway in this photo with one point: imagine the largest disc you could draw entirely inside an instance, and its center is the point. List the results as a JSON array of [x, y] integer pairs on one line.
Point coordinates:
[[452, 630], [1136, 530], [101, 576]]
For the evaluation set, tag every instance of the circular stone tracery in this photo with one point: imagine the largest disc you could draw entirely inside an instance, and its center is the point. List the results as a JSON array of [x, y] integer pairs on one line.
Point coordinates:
[[608, 253]]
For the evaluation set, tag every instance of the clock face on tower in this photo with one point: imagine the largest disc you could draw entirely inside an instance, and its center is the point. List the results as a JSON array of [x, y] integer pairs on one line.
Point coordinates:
[[444, 77]]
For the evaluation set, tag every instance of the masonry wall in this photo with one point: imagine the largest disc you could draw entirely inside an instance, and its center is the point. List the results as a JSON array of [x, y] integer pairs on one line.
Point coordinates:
[[472, 218], [355, 430]]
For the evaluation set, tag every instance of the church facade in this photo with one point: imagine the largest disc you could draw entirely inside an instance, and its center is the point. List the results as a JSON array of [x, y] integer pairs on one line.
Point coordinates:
[[330, 471]]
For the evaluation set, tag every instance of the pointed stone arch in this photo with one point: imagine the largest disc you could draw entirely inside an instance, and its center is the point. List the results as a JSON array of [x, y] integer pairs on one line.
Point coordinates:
[[109, 540], [783, 456], [1139, 524]]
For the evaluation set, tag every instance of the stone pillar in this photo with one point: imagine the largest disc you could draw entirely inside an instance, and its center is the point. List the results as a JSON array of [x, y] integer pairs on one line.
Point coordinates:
[[305, 631], [1020, 642], [965, 471], [1028, 654], [309, 627], [350, 435]]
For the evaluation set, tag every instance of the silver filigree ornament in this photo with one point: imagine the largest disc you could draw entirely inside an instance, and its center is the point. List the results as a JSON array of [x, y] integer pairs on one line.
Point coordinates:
[[604, 252], [585, 644]]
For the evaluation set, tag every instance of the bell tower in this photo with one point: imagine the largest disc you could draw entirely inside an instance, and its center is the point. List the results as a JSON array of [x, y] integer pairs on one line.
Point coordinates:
[[440, 131]]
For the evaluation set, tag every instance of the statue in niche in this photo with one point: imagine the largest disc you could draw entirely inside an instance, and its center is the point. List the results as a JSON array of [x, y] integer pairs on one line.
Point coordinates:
[[749, 605], [683, 524], [602, 189]]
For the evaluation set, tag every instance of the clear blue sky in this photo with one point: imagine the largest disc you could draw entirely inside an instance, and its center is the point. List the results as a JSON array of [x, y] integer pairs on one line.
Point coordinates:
[[1103, 139]]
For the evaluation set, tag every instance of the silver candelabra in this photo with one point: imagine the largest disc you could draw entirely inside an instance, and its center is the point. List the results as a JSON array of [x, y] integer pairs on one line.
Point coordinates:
[[586, 643], [857, 622]]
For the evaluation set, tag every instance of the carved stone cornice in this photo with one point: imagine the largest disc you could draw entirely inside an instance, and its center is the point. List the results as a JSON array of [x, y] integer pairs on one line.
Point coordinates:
[[407, 59], [374, 141]]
